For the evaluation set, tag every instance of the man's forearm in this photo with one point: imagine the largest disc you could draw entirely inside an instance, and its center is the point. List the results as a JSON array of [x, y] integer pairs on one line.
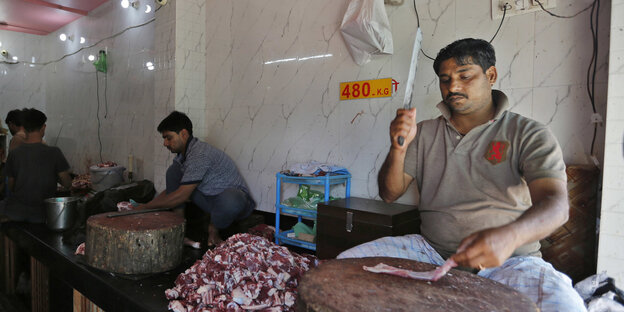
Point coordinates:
[[171, 200], [65, 179], [539, 221], [164, 200], [391, 179]]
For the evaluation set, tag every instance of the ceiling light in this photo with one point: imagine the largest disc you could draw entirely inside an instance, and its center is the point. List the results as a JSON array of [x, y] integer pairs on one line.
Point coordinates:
[[64, 37], [148, 8], [15, 58], [149, 65], [1, 41], [125, 4], [82, 40], [91, 57]]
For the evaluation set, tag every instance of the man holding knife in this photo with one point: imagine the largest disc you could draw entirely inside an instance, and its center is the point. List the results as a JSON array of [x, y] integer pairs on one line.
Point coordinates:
[[492, 183]]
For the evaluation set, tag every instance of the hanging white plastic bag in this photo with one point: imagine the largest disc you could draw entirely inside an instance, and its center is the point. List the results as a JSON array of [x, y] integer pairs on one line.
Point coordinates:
[[366, 30]]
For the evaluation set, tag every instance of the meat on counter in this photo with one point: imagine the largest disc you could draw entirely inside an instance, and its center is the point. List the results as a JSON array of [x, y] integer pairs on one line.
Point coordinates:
[[245, 272], [82, 181]]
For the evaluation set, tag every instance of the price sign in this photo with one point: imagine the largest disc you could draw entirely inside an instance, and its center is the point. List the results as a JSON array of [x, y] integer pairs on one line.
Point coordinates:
[[366, 89]]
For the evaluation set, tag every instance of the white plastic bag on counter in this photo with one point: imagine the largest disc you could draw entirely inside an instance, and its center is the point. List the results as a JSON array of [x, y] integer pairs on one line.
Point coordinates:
[[366, 30]]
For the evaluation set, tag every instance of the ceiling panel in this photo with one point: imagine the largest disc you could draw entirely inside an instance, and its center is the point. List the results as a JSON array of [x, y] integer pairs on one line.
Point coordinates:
[[42, 17]]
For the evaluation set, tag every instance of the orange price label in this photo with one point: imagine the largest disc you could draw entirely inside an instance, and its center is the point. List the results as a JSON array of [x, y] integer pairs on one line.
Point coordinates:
[[366, 89]]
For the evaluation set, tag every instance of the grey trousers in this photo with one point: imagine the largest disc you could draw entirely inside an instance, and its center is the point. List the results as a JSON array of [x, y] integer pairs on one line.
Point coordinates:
[[230, 205]]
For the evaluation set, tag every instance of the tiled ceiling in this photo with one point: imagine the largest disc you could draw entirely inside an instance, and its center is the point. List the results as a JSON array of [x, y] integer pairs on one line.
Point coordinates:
[[40, 17]]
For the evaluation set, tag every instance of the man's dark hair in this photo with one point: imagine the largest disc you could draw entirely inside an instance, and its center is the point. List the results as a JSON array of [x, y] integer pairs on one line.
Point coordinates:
[[33, 119], [176, 121], [467, 51], [14, 117]]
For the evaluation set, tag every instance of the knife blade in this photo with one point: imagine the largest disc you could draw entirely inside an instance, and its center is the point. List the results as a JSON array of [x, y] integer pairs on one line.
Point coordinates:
[[133, 212], [409, 88]]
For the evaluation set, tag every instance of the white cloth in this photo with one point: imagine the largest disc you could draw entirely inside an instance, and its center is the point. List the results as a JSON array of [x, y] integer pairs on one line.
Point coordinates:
[[550, 289]]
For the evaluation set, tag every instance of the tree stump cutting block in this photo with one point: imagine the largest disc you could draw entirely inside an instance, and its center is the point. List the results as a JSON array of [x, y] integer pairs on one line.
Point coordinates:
[[135, 244], [343, 286]]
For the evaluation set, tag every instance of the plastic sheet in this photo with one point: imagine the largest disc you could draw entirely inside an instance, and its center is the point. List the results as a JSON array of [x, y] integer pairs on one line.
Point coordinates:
[[366, 30]]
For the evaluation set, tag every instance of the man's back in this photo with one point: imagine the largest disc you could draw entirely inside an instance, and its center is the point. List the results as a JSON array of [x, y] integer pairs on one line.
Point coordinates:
[[211, 167], [34, 169]]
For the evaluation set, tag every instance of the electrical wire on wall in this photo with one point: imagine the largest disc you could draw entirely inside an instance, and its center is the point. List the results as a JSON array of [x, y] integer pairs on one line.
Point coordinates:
[[97, 113], [105, 94], [560, 16], [505, 8], [82, 48], [594, 18]]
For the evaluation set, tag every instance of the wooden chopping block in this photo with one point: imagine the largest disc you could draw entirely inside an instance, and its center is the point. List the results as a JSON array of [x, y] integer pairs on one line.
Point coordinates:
[[135, 244], [342, 285]]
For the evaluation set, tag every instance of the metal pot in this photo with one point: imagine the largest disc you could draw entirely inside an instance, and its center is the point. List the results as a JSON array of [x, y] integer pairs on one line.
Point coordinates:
[[60, 212]]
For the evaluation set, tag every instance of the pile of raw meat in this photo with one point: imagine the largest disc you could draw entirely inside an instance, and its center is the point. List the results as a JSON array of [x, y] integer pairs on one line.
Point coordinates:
[[82, 181], [245, 272], [107, 164]]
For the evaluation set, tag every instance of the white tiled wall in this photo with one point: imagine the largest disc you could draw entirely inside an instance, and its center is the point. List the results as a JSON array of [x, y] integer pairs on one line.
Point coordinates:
[[20, 85], [610, 253], [164, 92], [66, 89], [181, 73], [190, 82]]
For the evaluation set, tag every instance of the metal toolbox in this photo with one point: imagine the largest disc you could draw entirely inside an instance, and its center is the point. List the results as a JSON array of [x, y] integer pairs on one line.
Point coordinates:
[[348, 222]]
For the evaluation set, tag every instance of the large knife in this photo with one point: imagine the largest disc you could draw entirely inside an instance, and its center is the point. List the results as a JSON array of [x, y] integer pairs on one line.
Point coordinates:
[[407, 100], [132, 212]]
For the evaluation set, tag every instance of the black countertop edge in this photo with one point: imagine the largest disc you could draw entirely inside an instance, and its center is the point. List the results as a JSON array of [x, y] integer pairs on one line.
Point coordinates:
[[108, 291]]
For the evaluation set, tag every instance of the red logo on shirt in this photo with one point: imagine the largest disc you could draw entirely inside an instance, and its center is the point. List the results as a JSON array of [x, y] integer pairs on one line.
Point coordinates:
[[497, 152]]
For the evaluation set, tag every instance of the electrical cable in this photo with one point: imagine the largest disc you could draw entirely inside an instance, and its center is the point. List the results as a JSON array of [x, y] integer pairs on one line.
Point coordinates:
[[595, 51], [501, 23], [593, 63], [97, 114], [596, 7], [82, 48], [495, 34], [560, 16], [418, 24], [106, 94]]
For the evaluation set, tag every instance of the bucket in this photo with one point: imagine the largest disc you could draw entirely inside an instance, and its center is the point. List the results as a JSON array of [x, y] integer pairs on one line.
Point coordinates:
[[107, 177], [60, 212]]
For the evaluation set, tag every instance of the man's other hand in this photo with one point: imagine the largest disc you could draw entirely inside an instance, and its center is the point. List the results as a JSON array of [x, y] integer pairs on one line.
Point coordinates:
[[404, 125], [486, 249]]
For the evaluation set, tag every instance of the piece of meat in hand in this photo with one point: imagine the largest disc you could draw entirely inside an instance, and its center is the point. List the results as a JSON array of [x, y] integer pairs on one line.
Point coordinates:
[[432, 275]]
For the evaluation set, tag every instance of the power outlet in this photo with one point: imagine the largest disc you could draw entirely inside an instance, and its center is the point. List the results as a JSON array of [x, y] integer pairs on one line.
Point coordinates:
[[517, 7]]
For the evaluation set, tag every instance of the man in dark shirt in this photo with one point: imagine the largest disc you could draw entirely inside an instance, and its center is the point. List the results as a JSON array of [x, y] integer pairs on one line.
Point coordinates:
[[33, 169], [15, 122]]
